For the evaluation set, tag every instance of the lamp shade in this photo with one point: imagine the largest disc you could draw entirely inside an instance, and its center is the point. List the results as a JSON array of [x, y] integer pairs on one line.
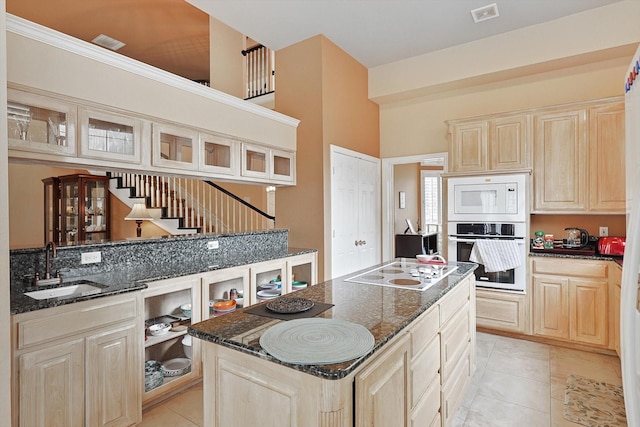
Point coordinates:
[[139, 212]]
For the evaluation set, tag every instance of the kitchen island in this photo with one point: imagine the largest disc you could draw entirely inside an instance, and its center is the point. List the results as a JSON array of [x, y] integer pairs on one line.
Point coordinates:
[[420, 365]]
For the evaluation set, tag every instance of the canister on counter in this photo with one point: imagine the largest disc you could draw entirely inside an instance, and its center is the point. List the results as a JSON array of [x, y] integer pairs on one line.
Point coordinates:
[[538, 241], [548, 241]]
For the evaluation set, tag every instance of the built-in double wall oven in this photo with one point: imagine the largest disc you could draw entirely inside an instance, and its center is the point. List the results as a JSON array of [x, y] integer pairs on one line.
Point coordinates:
[[489, 207]]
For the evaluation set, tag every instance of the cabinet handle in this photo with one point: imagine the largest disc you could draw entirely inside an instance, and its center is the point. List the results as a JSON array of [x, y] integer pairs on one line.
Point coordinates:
[[357, 243]]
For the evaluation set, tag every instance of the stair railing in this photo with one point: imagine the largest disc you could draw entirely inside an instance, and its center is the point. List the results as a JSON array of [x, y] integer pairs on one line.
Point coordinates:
[[202, 206], [260, 70]]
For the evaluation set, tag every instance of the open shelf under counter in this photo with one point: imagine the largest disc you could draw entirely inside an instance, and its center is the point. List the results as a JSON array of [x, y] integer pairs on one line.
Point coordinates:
[[153, 340]]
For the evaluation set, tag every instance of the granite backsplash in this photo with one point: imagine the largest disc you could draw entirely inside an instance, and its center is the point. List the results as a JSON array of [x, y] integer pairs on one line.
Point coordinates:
[[234, 249]]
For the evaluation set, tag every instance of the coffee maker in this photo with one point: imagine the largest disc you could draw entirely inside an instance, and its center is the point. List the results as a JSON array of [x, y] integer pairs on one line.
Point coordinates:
[[576, 238]]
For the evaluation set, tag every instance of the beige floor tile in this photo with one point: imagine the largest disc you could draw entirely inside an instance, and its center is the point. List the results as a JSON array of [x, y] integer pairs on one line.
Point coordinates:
[[189, 405], [161, 416], [522, 348], [521, 366], [474, 386], [557, 418], [520, 391], [458, 420], [488, 412], [597, 369]]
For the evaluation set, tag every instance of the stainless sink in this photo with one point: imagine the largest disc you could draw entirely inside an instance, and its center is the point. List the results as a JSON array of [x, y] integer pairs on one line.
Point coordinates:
[[77, 289]]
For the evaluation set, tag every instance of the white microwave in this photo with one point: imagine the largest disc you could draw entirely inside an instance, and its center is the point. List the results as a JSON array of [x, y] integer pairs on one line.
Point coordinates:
[[495, 198]]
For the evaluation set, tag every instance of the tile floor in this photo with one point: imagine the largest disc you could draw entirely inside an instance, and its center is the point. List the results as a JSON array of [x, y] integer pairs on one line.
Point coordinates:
[[517, 382]]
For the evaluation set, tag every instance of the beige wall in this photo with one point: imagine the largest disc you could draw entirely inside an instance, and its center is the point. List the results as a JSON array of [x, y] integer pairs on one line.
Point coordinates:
[[226, 61], [417, 126], [555, 224], [327, 91], [406, 178]]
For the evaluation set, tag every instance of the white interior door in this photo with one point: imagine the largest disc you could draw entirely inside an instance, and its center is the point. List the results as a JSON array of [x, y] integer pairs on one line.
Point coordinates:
[[355, 211]]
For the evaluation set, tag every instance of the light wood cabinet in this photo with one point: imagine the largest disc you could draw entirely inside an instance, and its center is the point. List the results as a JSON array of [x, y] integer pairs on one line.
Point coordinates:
[[560, 161], [490, 144], [503, 311], [381, 393], [570, 300], [607, 158], [161, 302], [578, 158], [88, 372], [614, 308]]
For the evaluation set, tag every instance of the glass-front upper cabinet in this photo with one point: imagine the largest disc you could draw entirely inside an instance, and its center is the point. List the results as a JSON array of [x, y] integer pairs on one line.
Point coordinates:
[[84, 208], [109, 136], [282, 166], [175, 147], [255, 161], [219, 154], [40, 124]]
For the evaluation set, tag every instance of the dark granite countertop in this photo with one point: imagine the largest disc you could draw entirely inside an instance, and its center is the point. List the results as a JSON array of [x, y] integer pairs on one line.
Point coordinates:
[[385, 311], [617, 259], [132, 279]]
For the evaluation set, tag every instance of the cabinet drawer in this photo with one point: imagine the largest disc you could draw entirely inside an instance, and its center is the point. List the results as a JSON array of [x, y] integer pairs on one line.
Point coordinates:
[[428, 407], [51, 324], [425, 329], [454, 301], [453, 392], [425, 366], [573, 267], [455, 341], [501, 312]]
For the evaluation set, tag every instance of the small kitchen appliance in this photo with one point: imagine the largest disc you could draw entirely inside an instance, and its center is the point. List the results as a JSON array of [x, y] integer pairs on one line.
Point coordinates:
[[611, 245], [576, 238]]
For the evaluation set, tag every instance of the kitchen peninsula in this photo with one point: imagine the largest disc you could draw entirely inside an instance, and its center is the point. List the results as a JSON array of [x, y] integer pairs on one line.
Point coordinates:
[[418, 370]]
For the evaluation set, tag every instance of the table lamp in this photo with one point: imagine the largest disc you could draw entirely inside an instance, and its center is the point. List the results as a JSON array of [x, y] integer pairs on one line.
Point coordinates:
[[138, 214]]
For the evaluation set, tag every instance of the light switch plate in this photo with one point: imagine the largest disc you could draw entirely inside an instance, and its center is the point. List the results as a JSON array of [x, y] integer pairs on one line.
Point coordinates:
[[604, 231], [90, 257], [213, 244]]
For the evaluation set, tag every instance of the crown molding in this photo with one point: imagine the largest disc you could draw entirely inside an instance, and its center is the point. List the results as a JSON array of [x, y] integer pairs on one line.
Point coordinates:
[[59, 40]]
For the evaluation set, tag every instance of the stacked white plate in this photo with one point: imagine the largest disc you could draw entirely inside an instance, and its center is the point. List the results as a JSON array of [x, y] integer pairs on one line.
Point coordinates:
[[269, 294]]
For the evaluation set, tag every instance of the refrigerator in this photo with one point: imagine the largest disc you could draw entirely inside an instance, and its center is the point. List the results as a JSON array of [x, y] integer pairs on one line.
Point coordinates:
[[629, 314]]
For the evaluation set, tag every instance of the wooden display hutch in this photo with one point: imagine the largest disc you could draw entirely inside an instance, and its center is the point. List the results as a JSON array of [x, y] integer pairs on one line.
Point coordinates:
[[76, 209]]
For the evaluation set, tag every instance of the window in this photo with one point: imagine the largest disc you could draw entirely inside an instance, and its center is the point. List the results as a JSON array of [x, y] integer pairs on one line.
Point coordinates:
[[431, 191]]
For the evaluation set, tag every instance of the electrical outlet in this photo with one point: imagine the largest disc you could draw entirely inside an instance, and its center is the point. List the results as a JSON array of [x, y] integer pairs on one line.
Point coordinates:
[[90, 257], [604, 231], [213, 244]]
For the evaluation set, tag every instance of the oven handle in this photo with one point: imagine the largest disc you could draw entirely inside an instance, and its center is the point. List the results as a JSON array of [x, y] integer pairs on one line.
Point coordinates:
[[457, 239]]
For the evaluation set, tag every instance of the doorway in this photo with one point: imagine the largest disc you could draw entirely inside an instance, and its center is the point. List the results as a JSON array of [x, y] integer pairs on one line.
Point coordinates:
[[435, 165]]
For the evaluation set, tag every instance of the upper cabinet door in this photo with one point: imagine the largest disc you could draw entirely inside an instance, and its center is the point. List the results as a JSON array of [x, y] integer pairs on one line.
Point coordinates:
[[175, 147], [469, 147], [509, 143], [40, 124], [219, 154], [606, 158], [560, 161], [109, 136], [283, 166], [255, 161]]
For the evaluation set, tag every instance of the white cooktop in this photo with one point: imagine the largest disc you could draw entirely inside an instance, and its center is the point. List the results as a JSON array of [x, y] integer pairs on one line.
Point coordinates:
[[405, 275]]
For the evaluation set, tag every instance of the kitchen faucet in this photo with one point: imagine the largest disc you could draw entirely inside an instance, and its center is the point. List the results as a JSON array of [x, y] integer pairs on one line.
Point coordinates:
[[50, 252]]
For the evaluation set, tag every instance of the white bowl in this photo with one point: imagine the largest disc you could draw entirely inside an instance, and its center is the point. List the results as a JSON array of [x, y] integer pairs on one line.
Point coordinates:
[[186, 346], [186, 309], [159, 329], [436, 259]]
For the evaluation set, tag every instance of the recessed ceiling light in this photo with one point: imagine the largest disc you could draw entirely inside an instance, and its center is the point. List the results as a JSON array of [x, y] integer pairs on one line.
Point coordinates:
[[108, 42], [486, 12]]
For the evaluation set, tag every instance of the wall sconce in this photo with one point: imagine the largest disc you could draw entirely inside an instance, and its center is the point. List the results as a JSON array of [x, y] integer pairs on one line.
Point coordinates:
[[138, 214]]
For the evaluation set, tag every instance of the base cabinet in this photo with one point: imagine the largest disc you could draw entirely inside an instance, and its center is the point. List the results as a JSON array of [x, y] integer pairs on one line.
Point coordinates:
[[570, 300], [614, 320], [412, 381], [502, 311], [86, 373]]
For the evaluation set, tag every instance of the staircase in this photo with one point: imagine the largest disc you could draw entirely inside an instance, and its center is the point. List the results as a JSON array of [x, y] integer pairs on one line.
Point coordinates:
[[189, 206]]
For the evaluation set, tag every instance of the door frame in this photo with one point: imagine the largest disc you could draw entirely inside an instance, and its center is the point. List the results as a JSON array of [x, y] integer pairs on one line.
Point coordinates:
[[388, 198]]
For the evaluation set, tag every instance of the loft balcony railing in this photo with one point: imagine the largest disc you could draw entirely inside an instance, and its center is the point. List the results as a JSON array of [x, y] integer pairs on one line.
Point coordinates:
[[260, 71]]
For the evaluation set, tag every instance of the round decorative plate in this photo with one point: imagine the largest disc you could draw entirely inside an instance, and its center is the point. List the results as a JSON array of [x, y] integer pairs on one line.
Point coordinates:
[[290, 305], [317, 341]]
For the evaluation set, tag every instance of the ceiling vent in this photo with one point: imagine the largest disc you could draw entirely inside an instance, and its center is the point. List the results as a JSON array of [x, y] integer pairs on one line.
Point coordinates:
[[108, 42], [486, 12]]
